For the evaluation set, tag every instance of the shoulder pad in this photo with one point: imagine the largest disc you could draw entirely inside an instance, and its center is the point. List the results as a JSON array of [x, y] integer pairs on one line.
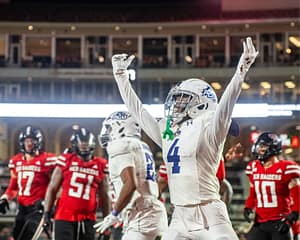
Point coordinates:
[[122, 146]]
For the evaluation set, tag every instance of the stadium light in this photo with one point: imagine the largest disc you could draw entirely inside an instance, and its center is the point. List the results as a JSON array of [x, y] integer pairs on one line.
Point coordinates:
[[103, 110]]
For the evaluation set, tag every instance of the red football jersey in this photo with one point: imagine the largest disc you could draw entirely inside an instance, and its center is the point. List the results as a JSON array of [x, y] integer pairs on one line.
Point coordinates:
[[163, 172], [296, 228], [270, 193], [221, 173], [81, 179], [33, 176]]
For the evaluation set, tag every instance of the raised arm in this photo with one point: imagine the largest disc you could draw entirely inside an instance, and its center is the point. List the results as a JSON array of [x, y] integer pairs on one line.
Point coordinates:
[[148, 123], [225, 107]]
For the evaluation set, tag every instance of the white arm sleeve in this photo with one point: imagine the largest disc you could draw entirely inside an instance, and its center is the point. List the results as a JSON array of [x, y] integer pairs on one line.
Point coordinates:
[[120, 162], [147, 122], [224, 110], [222, 118]]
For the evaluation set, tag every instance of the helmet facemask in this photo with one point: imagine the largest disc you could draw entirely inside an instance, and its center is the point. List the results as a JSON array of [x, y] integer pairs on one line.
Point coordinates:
[[35, 135], [262, 151], [178, 104], [189, 99], [104, 136], [84, 144], [267, 145]]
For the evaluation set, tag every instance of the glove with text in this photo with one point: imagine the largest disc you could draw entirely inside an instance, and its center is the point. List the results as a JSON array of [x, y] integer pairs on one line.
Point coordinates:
[[248, 56], [120, 63]]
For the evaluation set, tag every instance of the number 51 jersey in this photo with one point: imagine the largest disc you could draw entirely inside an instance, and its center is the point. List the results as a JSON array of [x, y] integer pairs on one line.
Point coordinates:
[[271, 192], [79, 187]]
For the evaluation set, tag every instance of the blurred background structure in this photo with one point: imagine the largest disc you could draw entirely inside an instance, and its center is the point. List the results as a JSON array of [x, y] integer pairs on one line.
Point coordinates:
[[58, 52]]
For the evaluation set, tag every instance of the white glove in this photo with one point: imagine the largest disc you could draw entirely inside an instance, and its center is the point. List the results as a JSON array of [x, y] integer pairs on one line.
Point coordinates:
[[248, 56], [120, 63], [108, 221]]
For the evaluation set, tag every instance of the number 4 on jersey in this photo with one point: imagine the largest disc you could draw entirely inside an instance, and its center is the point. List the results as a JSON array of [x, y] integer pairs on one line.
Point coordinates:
[[174, 157]]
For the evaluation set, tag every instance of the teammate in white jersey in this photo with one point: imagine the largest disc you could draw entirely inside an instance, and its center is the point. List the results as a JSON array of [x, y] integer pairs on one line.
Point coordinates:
[[192, 137], [132, 173]]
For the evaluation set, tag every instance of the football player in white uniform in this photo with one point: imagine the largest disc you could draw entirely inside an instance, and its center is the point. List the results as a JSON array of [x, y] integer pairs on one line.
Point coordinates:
[[191, 136], [132, 173]]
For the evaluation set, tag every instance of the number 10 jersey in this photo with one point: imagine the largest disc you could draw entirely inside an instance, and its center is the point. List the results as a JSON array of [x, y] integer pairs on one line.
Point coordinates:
[[269, 191]]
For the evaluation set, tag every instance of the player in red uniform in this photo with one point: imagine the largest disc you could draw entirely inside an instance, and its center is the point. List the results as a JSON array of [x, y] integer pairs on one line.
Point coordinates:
[[296, 230], [274, 190], [30, 173], [81, 176]]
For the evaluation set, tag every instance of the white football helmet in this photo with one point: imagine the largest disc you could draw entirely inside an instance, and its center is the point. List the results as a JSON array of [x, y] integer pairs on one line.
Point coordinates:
[[117, 125], [189, 98]]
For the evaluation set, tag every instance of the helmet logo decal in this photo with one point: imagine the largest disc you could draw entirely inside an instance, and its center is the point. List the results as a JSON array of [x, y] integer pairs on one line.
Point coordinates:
[[209, 93], [120, 116], [273, 137], [117, 125]]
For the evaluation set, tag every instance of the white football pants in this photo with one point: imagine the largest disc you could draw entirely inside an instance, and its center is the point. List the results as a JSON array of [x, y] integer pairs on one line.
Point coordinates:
[[201, 222]]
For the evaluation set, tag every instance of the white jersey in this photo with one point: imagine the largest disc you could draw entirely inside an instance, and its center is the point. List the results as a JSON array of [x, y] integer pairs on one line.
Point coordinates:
[[144, 215], [132, 152], [192, 157]]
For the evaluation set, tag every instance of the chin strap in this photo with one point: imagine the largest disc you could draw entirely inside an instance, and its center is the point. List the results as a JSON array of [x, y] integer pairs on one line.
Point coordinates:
[[168, 132]]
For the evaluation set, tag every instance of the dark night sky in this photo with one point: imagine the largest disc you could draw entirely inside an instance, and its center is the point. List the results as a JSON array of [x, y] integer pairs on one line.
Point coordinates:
[[113, 2], [101, 10]]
